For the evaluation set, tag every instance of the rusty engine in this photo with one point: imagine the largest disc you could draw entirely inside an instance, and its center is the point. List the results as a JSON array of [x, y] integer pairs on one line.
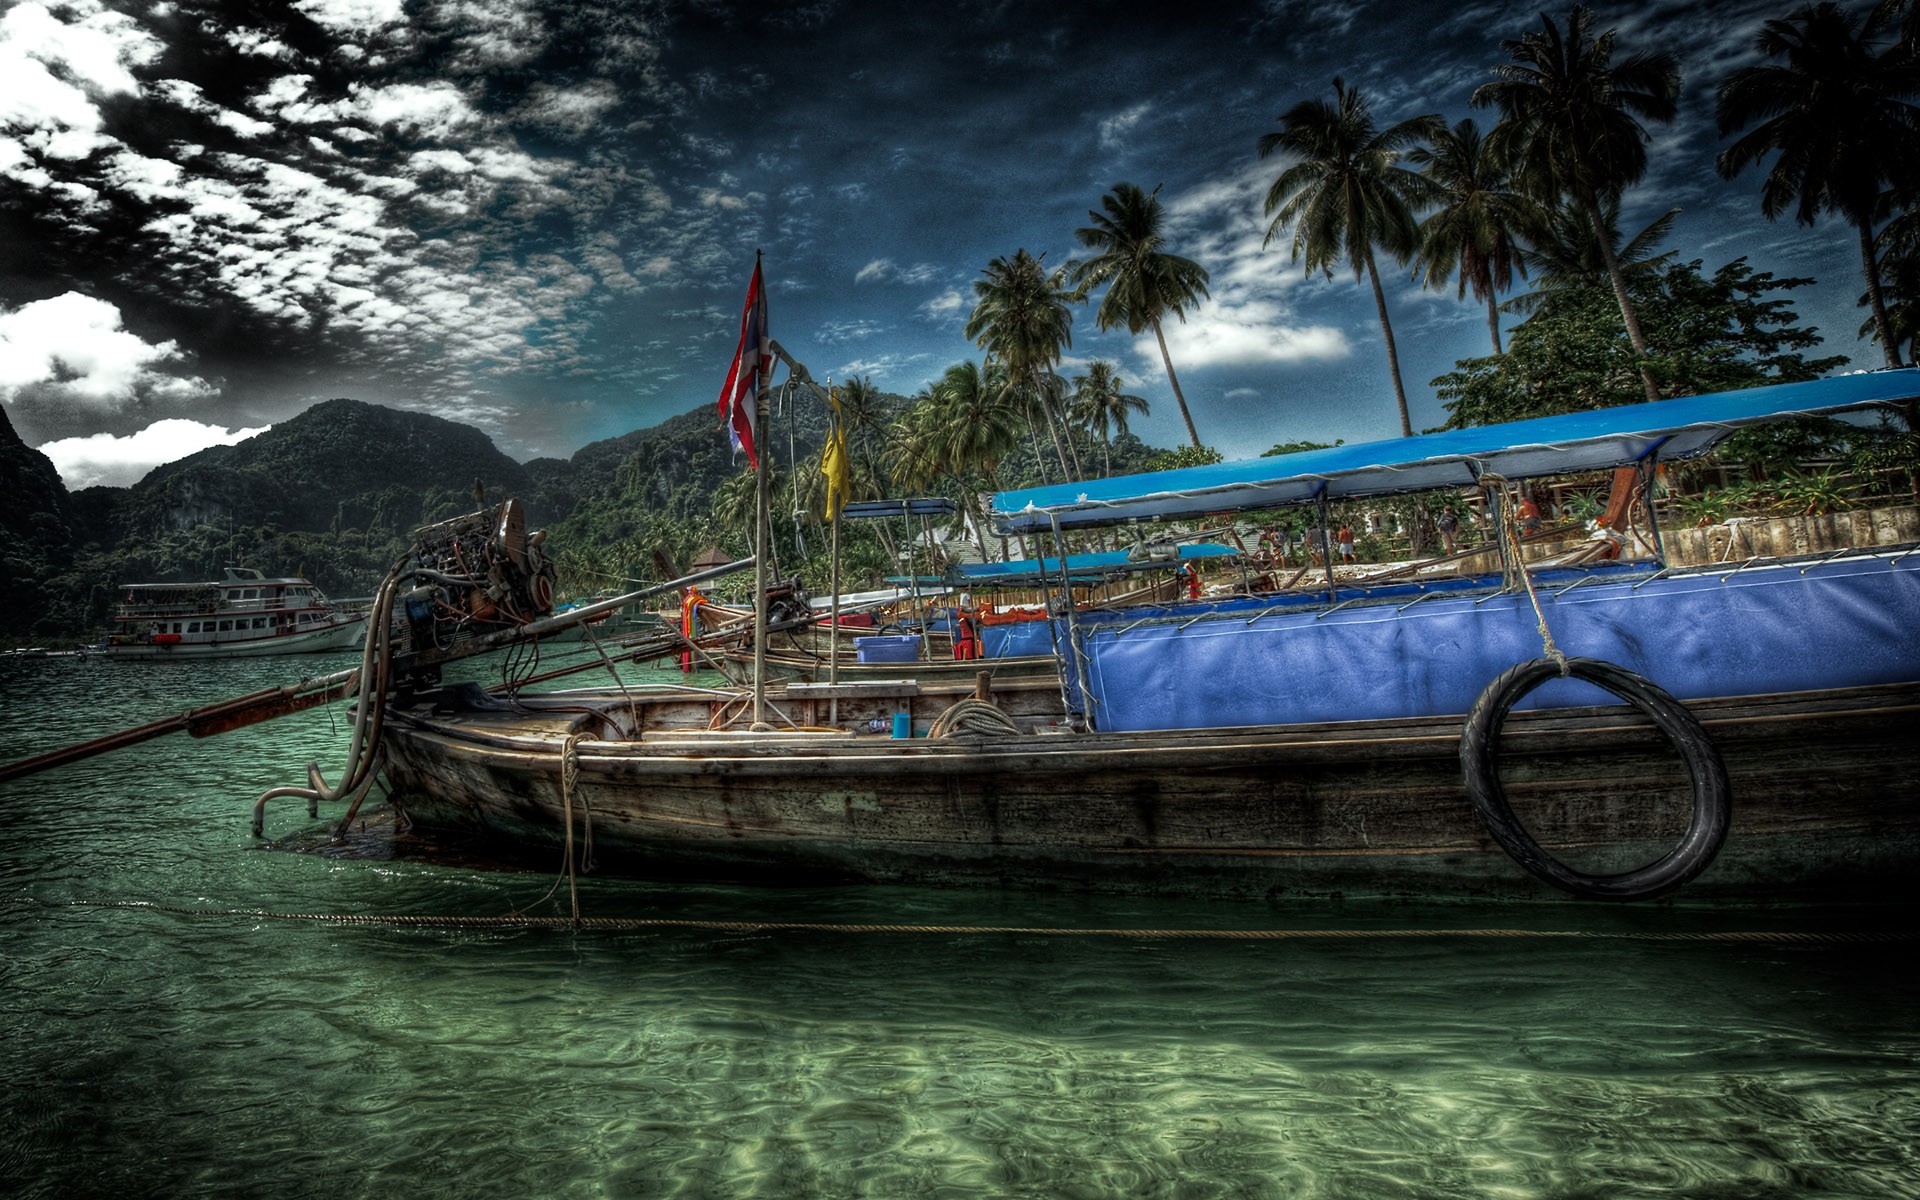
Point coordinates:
[[474, 575]]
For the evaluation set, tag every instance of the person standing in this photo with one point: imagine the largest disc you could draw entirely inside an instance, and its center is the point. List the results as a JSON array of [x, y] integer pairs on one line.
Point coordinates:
[[1346, 544], [1448, 523]]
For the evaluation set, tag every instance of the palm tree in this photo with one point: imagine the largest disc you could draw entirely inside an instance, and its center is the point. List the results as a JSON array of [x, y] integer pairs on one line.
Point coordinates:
[[1144, 282], [1565, 257], [864, 413], [975, 424], [1899, 257], [1475, 234], [1570, 125], [1023, 323], [1101, 407], [1346, 194], [1837, 114]]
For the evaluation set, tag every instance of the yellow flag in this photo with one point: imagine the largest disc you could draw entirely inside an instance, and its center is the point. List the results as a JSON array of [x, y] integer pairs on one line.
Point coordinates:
[[833, 463]]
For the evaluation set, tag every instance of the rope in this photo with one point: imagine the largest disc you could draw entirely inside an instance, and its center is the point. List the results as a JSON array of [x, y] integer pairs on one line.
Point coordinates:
[[1510, 528], [980, 717], [642, 924]]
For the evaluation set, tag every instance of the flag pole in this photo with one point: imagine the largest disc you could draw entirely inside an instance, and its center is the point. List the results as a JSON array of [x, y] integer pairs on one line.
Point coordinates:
[[834, 501], [760, 412]]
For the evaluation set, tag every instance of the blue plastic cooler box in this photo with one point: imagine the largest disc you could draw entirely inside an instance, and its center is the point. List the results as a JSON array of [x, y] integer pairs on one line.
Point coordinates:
[[889, 648]]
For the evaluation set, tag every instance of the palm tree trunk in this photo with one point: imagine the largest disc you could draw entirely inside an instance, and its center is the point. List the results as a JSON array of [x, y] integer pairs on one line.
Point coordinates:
[[1053, 431], [1875, 298], [1179, 397], [1493, 323], [1393, 354], [1619, 280], [1039, 459]]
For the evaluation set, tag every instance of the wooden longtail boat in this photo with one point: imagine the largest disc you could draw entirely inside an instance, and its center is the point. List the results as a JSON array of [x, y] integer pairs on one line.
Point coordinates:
[[1209, 748]]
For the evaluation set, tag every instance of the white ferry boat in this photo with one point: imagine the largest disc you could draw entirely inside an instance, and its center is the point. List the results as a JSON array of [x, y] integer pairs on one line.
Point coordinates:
[[242, 615]]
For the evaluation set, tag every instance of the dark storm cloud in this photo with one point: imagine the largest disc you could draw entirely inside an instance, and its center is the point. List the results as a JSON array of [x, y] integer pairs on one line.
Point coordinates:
[[539, 215]]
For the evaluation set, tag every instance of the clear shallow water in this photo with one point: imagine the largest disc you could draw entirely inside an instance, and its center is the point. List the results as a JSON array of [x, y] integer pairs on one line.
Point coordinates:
[[157, 1053]]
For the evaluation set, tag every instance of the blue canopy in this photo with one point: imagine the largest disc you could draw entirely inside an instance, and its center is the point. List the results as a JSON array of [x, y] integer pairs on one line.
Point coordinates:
[[936, 506], [1582, 441], [1028, 572]]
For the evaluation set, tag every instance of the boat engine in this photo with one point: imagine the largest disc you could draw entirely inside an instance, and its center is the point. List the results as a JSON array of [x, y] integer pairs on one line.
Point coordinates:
[[476, 574]]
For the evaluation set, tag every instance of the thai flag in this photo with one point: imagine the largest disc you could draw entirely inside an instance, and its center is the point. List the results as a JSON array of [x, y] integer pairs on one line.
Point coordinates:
[[737, 398]]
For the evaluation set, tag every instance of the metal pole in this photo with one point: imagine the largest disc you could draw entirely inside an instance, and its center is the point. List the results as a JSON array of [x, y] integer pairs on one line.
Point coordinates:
[[760, 519], [1648, 466], [1326, 544], [833, 638]]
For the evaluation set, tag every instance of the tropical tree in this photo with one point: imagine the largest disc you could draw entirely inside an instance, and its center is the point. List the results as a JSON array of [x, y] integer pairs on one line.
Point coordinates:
[[1565, 257], [1570, 125], [1898, 247], [864, 414], [1836, 111], [1144, 282], [1732, 329], [1346, 194], [1475, 235], [1022, 320], [1100, 407]]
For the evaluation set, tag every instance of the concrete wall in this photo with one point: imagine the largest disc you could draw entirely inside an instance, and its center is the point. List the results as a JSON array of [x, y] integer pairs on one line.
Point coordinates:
[[1749, 537]]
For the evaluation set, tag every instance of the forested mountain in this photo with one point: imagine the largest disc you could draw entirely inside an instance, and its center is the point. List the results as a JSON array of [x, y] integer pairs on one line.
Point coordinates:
[[336, 493], [35, 536]]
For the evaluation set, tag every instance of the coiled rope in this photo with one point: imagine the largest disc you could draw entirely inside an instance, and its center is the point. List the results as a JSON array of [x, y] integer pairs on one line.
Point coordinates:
[[644, 924], [980, 717]]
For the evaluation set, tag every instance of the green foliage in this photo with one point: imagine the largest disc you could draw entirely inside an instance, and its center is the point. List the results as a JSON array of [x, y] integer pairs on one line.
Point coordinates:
[[1182, 456], [1301, 447], [1710, 334]]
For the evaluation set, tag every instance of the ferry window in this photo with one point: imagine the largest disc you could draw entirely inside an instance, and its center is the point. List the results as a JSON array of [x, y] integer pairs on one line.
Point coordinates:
[[176, 627], [226, 627], [259, 622], [193, 627]]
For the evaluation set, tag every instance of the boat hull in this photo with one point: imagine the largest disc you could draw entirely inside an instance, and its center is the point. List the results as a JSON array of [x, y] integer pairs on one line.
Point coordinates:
[[1826, 800], [347, 635]]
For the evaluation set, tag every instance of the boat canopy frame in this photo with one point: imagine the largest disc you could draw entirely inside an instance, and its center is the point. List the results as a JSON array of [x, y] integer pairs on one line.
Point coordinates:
[[1677, 429]]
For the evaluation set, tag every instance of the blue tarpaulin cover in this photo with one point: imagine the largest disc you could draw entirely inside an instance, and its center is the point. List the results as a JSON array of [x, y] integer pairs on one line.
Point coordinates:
[[1784, 627], [1582, 441]]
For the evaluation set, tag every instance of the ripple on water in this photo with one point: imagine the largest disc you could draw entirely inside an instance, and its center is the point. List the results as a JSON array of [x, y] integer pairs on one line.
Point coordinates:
[[156, 1053]]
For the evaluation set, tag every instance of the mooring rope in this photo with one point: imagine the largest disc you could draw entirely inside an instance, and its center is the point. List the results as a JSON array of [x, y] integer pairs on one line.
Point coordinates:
[[1510, 531], [645, 924]]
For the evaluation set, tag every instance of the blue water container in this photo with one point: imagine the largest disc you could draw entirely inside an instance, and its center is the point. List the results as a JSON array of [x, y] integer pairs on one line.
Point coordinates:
[[887, 648], [902, 725]]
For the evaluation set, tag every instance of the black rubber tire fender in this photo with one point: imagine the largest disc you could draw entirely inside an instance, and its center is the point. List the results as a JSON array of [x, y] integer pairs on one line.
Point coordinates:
[[1712, 798]]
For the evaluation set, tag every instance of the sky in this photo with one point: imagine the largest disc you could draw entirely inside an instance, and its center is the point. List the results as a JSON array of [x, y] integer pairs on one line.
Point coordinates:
[[539, 217]]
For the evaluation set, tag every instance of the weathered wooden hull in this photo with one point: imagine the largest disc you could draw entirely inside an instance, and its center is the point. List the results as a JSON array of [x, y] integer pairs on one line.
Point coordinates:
[[1826, 798]]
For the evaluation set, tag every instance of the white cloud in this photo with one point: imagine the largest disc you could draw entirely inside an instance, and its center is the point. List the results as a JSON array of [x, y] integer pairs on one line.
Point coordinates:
[[54, 69], [74, 347], [943, 306], [102, 459], [885, 270], [1119, 125], [353, 16], [1245, 334]]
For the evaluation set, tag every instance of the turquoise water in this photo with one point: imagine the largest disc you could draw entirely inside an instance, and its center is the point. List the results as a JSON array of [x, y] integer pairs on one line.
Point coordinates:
[[152, 1052]]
